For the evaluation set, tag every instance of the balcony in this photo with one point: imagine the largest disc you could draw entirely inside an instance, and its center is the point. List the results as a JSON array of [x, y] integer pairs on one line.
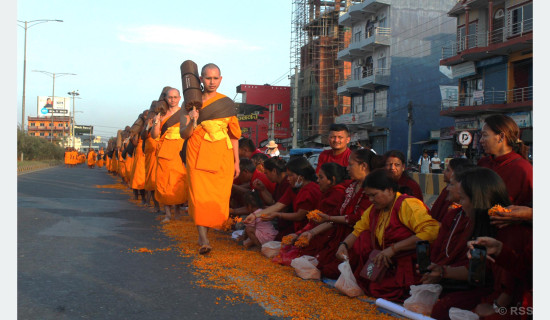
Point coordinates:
[[367, 43], [480, 102], [369, 80], [483, 45], [361, 11]]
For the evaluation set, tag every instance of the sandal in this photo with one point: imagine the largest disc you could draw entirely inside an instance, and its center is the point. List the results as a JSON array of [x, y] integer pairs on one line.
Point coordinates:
[[205, 249]]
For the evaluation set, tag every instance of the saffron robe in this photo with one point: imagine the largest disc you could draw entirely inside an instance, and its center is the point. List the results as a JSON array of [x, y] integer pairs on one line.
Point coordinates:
[[138, 170], [171, 176], [210, 165], [150, 162]]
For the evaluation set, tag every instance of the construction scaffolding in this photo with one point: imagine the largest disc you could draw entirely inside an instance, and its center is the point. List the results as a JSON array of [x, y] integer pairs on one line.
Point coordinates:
[[316, 39]]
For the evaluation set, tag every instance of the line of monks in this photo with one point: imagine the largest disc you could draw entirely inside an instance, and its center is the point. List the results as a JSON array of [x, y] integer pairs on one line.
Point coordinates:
[[91, 158]]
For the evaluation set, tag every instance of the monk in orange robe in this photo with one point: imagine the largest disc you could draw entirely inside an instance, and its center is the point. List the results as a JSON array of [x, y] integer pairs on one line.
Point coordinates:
[[212, 158], [138, 168], [171, 186], [91, 158], [150, 150], [100, 156]]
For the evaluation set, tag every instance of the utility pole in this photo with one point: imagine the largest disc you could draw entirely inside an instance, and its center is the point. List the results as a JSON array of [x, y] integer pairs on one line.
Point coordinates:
[[295, 110], [411, 122], [73, 93]]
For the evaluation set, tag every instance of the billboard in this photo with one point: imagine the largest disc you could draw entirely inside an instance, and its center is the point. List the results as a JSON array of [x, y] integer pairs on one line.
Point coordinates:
[[60, 107]]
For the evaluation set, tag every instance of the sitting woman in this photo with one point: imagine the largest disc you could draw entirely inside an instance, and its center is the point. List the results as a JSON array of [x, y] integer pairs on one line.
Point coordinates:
[[332, 184], [395, 163], [336, 227], [479, 189], [301, 176], [396, 222]]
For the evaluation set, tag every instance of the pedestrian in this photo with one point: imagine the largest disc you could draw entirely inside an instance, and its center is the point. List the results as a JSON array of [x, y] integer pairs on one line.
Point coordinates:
[[424, 162], [272, 149], [436, 163], [211, 155]]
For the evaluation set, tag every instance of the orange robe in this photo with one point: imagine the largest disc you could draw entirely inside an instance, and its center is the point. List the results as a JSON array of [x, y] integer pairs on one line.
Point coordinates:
[[138, 167], [67, 157], [150, 162], [74, 157], [121, 168], [128, 167], [171, 176], [91, 158], [210, 168], [108, 164], [100, 159]]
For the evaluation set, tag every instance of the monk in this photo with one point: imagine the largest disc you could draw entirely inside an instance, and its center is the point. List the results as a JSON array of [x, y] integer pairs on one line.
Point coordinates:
[[100, 157], [149, 151], [170, 180], [91, 158], [211, 155], [138, 166]]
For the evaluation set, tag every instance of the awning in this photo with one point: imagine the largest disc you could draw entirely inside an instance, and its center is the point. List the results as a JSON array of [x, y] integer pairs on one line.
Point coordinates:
[[424, 141]]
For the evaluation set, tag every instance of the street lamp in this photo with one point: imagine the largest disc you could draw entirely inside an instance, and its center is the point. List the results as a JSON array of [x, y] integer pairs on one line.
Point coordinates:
[[27, 25], [74, 94], [51, 74]]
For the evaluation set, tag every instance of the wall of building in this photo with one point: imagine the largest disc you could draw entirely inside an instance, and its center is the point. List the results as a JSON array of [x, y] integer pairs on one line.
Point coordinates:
[[265, 95]]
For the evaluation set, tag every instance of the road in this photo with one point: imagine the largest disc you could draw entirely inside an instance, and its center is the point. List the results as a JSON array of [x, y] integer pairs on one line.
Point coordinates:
[[75, 258]]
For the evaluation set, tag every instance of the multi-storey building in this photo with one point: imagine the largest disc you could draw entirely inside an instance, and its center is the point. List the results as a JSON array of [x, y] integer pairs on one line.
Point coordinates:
[[492, 58], [44, 128], [265, 114], [394, 53]]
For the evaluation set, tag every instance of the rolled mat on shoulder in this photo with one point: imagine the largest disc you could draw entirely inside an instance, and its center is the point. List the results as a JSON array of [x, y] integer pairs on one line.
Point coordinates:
[[192, 92], [164, 93]]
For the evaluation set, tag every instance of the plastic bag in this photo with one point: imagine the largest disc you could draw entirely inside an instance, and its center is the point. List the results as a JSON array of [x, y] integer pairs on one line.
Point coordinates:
[[286, 255], [346, 282], [423, 297], [459, 314], [306, 267], [271, 249]]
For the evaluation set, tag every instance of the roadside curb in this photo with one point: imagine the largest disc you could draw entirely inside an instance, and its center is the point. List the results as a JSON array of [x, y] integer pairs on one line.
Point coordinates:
[[36, 167]]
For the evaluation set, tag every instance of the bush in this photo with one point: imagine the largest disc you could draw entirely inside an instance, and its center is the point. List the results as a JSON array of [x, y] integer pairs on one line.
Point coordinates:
[[36, 148]]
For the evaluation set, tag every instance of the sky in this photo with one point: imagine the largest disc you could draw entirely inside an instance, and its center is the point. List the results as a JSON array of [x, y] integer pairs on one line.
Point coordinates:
[[123, 53]]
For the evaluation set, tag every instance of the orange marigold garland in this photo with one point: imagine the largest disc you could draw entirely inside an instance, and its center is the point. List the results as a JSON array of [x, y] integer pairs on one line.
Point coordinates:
[[286, 240], [498, 209], [302, 242], [314, 215], [230, 222]]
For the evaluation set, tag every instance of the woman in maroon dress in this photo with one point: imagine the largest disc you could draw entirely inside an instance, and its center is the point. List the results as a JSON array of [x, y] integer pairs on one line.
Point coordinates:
[[395, 163], [508, 157], [337, 226]]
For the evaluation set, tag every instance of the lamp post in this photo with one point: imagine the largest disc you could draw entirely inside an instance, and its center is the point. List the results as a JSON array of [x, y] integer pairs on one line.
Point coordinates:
[[74, 94], [28, 24], [53, 75]]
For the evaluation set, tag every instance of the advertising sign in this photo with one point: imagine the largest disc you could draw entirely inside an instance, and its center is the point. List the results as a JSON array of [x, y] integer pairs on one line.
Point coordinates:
[[45, 108]]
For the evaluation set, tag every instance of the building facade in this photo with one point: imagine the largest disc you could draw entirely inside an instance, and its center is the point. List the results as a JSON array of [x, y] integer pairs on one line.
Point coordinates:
[[492, 58], [395, 79], [58, 129], [264, 114]]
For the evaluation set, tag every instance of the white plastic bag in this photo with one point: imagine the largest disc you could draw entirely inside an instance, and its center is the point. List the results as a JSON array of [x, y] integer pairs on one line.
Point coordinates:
[[459, 314], [306, 267], [271, 248], [346, 282], [423, 297]]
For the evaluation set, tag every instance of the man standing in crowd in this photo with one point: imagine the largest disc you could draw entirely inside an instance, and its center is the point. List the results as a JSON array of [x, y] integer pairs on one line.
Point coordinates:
[[424, 162], [338, 139], [436, 163]]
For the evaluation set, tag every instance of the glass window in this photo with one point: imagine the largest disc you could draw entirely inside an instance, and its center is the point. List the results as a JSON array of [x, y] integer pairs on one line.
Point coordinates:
[[279, 106], [357, 104], [32, 124], [41, 134], [357, 36], [381, 65], [381, 103], [41, 124]]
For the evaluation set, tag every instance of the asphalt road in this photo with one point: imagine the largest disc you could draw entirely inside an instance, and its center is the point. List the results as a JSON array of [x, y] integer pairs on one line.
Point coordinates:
[[75, 259]]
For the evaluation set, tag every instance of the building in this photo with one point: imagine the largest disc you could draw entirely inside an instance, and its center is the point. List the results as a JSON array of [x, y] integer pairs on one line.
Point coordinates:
[[264, 114], [43, 127], [316, 40], [395, 80], [492, 58]]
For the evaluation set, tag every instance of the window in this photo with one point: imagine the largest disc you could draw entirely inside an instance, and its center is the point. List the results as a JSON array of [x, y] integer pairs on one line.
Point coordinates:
[[357, 104], [32, 124], [41, 124], [521, 19], [382, 21], [60, 124], [472, 36], [381, 65], [279, 107], [41, 134], [381, 103], [357, 73], [357, 36], [369, 104]]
